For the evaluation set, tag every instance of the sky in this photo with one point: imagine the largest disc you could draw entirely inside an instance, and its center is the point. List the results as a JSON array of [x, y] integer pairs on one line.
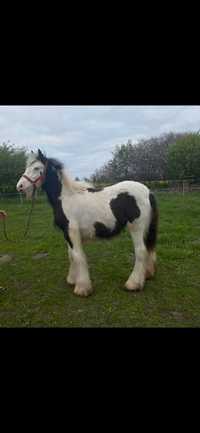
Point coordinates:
[[83, 137]]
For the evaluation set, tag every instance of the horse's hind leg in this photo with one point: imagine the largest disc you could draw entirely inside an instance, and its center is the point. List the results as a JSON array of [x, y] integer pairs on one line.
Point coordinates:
[[151, 264], [137, 278]]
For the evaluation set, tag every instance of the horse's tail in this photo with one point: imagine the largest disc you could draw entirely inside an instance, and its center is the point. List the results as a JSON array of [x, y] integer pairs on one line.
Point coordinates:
[[151, 236]]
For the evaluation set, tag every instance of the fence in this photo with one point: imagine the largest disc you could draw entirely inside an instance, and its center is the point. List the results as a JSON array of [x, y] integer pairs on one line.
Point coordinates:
[[178, 186], [167, 186], [18, 197]]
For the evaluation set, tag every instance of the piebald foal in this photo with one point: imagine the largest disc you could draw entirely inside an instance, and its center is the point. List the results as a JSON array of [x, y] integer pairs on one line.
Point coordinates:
[[84, 213]]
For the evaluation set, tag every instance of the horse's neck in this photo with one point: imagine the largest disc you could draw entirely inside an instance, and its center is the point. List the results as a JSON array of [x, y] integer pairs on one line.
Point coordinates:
[[62, 186], [53, 187]]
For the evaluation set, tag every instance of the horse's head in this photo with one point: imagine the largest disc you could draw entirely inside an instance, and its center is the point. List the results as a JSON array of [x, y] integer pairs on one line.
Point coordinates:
[[34, 174]]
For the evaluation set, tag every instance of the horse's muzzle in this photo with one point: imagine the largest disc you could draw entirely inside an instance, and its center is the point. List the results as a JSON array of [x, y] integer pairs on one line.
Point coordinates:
[[23, 185], [19, 187]]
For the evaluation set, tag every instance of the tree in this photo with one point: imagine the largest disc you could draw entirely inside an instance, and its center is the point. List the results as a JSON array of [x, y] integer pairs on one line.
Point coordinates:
[[12, 164], [144, 161], [184, 157]]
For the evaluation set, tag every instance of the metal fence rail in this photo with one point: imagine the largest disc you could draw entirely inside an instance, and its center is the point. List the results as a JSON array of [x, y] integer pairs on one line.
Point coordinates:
[[178, 186], [165, 186], [18, 197]]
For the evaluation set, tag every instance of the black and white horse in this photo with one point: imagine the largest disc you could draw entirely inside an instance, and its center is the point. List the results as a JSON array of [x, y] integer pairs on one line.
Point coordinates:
[[83, 213]]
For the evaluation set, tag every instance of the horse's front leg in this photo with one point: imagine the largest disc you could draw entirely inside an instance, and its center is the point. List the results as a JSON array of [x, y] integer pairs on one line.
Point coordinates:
[[83, 286], [71, 277]]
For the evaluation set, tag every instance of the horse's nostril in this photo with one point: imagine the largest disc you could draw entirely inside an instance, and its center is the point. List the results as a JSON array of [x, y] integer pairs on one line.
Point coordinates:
[[20, 187]]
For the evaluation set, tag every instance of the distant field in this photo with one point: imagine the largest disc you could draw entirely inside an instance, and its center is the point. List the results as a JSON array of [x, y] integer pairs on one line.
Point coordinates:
[[34, 292]]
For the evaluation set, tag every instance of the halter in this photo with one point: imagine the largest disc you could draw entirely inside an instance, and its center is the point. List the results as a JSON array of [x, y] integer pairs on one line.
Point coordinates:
[[33, 182], [41, 177]]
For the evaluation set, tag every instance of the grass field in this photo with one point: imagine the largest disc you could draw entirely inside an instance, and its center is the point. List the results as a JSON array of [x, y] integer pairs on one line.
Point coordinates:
[[34, 292]]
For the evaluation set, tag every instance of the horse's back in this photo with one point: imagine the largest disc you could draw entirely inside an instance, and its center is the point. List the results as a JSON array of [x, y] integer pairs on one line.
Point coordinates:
[[137, 189]]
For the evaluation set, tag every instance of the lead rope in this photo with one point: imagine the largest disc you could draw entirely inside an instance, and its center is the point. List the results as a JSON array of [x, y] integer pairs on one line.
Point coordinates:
[[5, 232]]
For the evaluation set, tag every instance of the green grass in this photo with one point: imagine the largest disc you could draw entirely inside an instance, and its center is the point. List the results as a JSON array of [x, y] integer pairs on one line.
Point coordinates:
[[34, 292]]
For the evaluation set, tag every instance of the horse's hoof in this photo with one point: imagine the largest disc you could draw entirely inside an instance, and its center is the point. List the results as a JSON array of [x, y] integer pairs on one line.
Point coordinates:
[[133, 287], [82, 291]]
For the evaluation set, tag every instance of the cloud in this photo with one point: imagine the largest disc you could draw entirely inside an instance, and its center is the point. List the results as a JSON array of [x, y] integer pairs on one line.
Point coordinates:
[[83, 137]]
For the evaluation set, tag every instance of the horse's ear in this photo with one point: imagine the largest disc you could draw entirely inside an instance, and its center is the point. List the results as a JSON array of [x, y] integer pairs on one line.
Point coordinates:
[[41, 157]]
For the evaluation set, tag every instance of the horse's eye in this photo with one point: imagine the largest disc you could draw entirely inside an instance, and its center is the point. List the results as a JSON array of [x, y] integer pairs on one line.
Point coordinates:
[[36, 168]]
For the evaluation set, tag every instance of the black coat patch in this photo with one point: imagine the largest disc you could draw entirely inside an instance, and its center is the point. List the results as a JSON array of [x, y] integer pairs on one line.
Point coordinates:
[[62, 222], [52, 186], [104, 232], [95, 189], [125, 209]]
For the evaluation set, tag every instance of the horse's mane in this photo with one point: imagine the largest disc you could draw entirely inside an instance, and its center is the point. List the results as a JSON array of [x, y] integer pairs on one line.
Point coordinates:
[[74, 185], [68, 182]]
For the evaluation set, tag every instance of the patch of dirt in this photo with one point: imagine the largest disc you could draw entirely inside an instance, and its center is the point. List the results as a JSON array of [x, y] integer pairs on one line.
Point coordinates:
[[196, 242], [5, 258], [177, 315], [40, 256]]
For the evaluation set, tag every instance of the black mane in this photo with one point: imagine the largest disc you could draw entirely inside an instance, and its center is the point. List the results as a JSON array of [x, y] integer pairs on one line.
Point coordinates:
[[51, 161], [52, 186], [52, 183], [55, 163]]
